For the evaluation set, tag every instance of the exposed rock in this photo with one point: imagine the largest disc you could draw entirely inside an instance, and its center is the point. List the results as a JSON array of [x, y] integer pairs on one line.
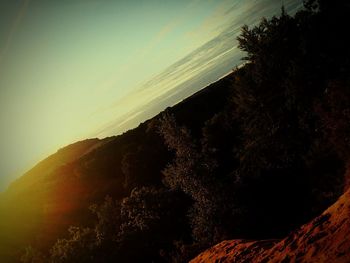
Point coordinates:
[[324, 239]]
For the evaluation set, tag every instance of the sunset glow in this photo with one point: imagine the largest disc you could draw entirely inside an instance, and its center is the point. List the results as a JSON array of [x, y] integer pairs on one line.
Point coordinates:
[[71, 70]]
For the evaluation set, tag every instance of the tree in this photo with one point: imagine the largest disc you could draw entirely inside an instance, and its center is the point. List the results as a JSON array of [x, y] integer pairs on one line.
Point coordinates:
[[78, 247], [194, 171], [32, 255], [153, 218]]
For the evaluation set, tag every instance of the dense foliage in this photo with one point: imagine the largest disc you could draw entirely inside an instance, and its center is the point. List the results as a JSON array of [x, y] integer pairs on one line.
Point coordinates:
[[270, 159]]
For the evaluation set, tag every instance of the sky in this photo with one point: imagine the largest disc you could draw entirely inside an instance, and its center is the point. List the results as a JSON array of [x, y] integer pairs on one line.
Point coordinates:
[[77, 69]]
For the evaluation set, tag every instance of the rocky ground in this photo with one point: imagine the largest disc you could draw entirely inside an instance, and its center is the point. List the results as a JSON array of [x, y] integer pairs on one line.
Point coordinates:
[[324, 239]]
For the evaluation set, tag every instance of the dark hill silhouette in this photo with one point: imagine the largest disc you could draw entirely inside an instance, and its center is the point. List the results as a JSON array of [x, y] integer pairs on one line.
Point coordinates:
[[253, 156], [31, 191], [63, 156], [39, 206]]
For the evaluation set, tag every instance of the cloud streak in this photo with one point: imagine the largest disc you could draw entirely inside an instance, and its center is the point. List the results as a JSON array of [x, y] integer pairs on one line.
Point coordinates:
[[194, 71], [141, 55], [13, 29]]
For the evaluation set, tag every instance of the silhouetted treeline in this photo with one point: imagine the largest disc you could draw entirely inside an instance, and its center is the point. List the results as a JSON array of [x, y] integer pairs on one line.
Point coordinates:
[[269, 159]]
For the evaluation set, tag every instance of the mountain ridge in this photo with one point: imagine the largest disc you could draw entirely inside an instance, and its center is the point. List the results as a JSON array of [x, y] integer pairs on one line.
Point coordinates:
[[58, 190]]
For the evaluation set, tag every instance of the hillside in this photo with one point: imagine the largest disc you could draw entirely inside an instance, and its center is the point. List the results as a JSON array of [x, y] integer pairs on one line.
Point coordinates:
[[25, 204], [39, 206], [253, 156], [324, 239]]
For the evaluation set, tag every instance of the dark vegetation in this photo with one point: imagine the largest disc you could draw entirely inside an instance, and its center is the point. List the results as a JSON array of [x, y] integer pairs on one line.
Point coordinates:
[[254, 155]]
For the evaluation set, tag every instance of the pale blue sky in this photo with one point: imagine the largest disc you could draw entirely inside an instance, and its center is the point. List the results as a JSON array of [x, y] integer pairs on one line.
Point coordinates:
[[70, 70]]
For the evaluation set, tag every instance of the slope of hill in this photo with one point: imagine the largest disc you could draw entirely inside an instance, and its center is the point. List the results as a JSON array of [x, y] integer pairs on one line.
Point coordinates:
[[324, 239], [23, 205], [61, 157], [39, 206], [253, 156]]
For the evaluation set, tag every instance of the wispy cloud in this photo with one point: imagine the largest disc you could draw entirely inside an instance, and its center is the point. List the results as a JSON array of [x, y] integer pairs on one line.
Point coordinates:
[[143, 54], [119, 123], [168, 28], [189, 74], [197, 69], [14, 26], [208, 27]]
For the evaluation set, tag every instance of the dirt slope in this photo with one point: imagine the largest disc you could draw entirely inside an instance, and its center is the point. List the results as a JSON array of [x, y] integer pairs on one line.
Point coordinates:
[[324, 239]]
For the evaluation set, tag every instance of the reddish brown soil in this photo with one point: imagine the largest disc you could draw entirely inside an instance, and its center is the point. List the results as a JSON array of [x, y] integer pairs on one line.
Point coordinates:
[[324, 239]]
